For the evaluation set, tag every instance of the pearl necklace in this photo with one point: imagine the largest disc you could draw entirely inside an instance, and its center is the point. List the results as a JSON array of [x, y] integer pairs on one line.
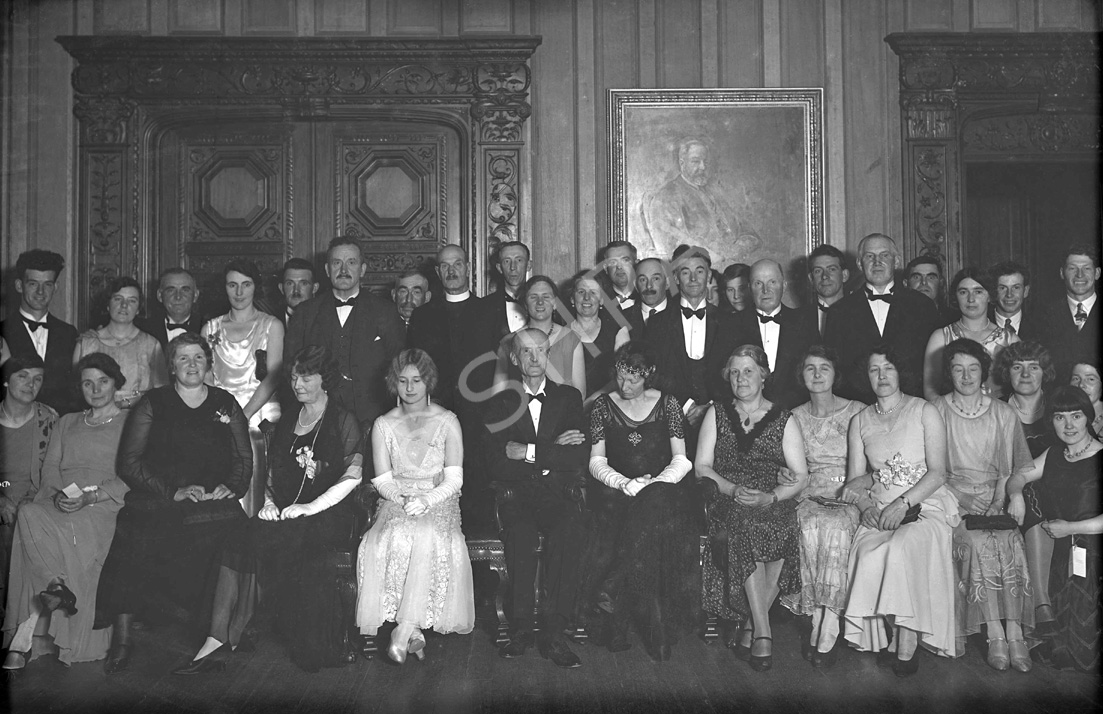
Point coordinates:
[[886, 412], [310, 424], [108, 420]]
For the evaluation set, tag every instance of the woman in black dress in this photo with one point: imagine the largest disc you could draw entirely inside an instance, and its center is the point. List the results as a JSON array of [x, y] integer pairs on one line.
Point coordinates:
[[1066, 483], [316, 462], [186, 457], [644, 561], [600, 333]]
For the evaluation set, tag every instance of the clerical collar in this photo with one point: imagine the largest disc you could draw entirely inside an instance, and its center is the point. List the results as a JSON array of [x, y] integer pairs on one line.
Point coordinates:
[[881, 291], [460, 297], [543, 386], [28, 316]]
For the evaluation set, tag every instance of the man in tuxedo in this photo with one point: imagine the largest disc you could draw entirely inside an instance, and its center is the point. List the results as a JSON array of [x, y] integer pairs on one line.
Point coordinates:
[[536, 446], [652, 285], [1072, 322], [924, 275], [880, 314], [36, 331], [410, 291], [495, 316], [362, 332], [827, 275], [1010, 310], [618, 259], [691, 342], [782, 333], [177, 293], [297, 285]]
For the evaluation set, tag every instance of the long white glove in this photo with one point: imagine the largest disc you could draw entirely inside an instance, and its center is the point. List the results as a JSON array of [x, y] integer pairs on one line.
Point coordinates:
[[384, 483], [676, 470], [450, 486], [602, 471], [634, 486], [337, 492]]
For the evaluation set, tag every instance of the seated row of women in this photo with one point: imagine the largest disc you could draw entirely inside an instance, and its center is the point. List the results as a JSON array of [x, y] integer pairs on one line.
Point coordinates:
[[880, 522]]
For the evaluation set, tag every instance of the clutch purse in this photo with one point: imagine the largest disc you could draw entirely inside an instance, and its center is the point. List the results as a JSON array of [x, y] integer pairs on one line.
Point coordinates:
[[911, 515], [1002, 522], [262, 364]]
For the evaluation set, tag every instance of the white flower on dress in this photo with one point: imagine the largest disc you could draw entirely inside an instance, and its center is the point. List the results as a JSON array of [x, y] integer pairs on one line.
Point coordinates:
[[304, 457], [898, 471], [222, 416]]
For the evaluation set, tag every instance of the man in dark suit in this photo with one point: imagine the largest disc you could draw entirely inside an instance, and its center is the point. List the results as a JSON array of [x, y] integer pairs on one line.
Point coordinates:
[[1010, 309], [1072, 323], [923, 274], [782, 333], [297, 285], [410, 291], [880, 314], [618, 259], [362, 331], [652, 286], [536, 445], [691, 342], [177, 293], [495, 316], [828, 276], [35, 331]]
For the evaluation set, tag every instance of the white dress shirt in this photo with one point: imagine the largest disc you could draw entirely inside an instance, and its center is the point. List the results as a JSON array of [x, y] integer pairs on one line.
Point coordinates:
[[647, 312], [624, 300], [515, 316], [175, 331], [769, 332], [879, 308], [536, 407], [694, 331], [344, 311], [1088, 303], [1016, 320], [39, 337]]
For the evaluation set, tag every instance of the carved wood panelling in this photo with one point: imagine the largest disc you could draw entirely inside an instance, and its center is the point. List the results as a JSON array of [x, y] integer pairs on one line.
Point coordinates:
[[341, 16], [104, 188], [268, 17], [1031, 134], [186, 17], [120, 17]]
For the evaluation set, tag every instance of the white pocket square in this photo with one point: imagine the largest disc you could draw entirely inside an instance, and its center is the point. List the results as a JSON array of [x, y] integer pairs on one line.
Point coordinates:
[[377, 338]]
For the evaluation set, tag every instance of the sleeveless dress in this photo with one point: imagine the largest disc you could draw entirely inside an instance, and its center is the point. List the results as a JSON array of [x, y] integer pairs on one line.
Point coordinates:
[[908, 572], [235, 369], [993, 344], [1069, 490], [140, 358], [993, 581], [415, 569], [762, 534], [641, 563], [825, 531]]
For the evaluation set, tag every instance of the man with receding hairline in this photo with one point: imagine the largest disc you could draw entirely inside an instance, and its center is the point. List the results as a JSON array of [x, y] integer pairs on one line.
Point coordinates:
[[178, 294]]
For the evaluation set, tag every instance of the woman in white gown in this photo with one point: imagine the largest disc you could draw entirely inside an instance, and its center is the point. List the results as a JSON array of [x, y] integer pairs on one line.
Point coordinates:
[[413, 568]]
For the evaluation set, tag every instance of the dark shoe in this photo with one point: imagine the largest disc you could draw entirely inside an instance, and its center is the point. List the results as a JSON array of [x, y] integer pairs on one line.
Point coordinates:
[[823, 660], [118, 659], [518, 643], [742, 651], [59, 597], [886, 658], [761, 663], [213, 662], [906, 667], [559, 652]]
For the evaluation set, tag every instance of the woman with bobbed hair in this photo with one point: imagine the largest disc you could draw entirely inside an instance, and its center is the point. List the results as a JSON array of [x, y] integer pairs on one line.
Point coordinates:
[[1024, 371], [743, 444], [973, 289], [1066, 483], [63, 535], [735, 287], [1086, 376], [984, 446], [413, 567], [599, 333], [317, 461], [827, 524], [137, 353], [640, 566]]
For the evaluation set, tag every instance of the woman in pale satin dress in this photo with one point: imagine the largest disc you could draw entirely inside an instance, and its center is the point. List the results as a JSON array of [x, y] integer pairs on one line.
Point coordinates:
[[248, 358]]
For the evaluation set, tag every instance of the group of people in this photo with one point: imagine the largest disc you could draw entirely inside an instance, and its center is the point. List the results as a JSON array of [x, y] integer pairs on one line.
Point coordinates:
[[903, 473]]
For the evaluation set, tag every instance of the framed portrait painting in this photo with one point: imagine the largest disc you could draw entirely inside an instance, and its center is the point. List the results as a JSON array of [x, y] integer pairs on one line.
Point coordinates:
[[736, 171]]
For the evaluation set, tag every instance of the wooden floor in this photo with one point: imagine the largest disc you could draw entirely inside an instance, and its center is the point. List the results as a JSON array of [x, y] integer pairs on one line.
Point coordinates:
[[462, 673]]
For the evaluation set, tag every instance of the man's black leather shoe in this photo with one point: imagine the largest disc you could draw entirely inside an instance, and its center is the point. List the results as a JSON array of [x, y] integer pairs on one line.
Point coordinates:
[[518, 643], [557, 650]]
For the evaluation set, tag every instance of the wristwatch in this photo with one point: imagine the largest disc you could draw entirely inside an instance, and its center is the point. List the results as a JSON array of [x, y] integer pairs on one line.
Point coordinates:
[[774, 494]]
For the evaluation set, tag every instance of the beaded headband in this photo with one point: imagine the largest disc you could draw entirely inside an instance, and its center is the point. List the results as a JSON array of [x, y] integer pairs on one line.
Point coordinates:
[[634, 371]]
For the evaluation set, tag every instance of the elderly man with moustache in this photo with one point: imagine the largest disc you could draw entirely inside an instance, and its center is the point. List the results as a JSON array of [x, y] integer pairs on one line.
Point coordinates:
[[410, 291], [177, 293], [297, 285], [652, 285]]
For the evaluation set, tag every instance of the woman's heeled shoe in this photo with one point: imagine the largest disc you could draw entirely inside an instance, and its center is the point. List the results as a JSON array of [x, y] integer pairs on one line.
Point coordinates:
[[742, 651], [1020, 655], [396, 653], [118, 659], [416, 646], [206, 665], [906, 667], [66, 598], [761, 663], [998, 657]]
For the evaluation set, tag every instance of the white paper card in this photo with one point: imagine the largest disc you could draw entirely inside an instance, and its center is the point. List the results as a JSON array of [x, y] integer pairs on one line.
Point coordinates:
[[1078, 562], [72, 491]]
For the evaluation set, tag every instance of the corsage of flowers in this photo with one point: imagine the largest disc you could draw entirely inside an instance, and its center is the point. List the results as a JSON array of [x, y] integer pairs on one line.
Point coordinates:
[[215, 338], [304, 457], [898, 471], [222, 416]]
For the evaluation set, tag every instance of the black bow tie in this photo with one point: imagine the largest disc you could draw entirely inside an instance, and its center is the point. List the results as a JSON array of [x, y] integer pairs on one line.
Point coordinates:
[[33, 325], [769, 318], [509, 298], [537, 397], [175, 325], [887, 297], [351, 302], [623, 298], [699, 313], [823, 308]]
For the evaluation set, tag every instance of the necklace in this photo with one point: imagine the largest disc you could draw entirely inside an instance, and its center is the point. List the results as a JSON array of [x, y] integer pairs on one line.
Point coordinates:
[[886, 412], [311, 423], [968, 414], [1031, 414], [1070, 455], [108, 420], [11, 417], [747, 414]]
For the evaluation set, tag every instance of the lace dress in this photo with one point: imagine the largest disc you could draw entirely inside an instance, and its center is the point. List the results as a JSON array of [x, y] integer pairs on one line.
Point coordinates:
[[908, 572], [641, 561], [754, 535], [415, 569], [825, 531]]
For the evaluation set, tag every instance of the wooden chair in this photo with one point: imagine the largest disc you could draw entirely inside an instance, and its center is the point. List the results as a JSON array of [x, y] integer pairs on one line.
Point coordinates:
[[719, 542]]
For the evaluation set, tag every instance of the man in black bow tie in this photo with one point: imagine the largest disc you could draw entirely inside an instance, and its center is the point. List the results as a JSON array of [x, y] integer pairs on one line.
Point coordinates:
[[177, 293], [297, 285], [496, 316], [827, 276], [618, 259], [35, 331], [535, 443], [363, 332], [882, 313]]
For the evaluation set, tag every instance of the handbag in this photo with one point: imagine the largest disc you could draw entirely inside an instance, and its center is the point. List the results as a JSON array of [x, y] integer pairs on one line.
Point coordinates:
[[1002, 522], [911, 515]]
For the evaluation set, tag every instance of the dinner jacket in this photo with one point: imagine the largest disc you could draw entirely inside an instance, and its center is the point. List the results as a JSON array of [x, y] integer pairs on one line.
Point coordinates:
[[487, 326], [666, 338], [1068, 345], [443, 329], [795, 336], [57, 390], [155, 325], [364, 347], [852, 332]]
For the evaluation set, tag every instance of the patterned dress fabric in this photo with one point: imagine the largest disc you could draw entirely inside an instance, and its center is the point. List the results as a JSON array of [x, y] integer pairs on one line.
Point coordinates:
[[754, 535], [20, 465], [1069, 490], [993, 578], [140, 358], [49, 543], [993, 344], [908, 572], [641, 562], [415, 569], [825, 531]]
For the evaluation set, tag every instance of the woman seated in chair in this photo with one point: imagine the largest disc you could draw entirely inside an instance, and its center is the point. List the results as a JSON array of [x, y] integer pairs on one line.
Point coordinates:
[[315, 463], [643, 560], [63, 535], [186, 457], [742, 446], [413, 567]]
